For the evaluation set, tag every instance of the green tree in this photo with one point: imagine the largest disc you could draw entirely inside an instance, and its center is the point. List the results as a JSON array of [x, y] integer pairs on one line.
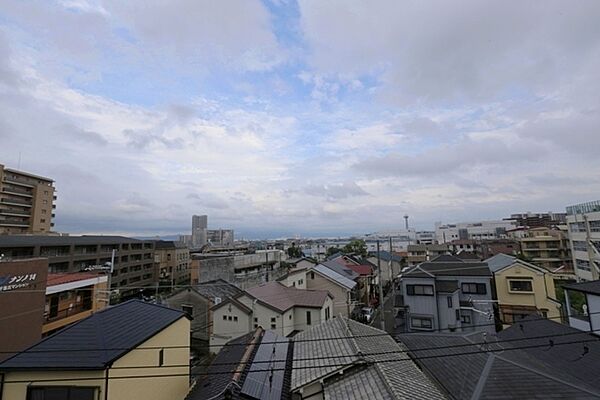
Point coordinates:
[[357, 246], [331, 251], [294, 252]]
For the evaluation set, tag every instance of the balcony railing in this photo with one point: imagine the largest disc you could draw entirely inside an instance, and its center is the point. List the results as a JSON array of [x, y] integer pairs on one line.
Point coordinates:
[[13, 212], [16, 201], [17, 192], [60, 314]]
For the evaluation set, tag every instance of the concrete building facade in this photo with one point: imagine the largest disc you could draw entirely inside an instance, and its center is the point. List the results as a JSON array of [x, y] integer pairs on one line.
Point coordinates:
[[583, 221], [26, 202], [172, 261], [484, 230], [548, 248]]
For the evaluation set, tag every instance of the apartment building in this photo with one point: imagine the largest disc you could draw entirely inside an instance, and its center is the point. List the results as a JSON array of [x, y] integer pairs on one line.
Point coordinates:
[[583, 221], [26, 202], [446, 294], [536, 220], [418, 253], [172, 261], [583, 306], [483, 230], [134, 259], [547, 247]]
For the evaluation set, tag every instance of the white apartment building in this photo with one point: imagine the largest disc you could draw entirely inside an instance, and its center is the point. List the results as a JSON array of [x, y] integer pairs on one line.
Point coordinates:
[[484, 230], [584, 236]]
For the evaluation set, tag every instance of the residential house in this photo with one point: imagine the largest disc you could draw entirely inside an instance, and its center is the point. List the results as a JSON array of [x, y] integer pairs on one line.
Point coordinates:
[[284, 310], [342, 359], [418, 253], [534, 359], [172, 261], [362, 271], [254, 366], [446, 294], [583, 305], [319, 277], [548, 248], [197, 301], [72, 297], [522, 288], [390, 264], [89, 359]]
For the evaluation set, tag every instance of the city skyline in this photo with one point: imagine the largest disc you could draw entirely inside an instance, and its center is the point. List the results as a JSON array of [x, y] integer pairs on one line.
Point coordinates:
[[299, 117]]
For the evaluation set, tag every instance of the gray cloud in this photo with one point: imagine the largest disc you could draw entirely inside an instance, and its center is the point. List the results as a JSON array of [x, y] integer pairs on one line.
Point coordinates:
[[335, 191], [208, 200], [143, 139]]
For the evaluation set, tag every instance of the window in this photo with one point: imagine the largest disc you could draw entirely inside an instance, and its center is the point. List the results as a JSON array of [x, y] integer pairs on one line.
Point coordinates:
[[582, 264], [301, 281], [474, 288], [308, 318], [457, 314], [421, 323], [42, 220], [188, 309], [273, 319], [255, 326], [255, 319], [235, 318], [229, 318], [61, 392], [449, 299], [290, 317], [327, 314], [273, 326], [520, 285], [44, 201], [465, 319], [579, 245], [312, 275], [43, 211], [161, 357], [419, 290], [225, 318]]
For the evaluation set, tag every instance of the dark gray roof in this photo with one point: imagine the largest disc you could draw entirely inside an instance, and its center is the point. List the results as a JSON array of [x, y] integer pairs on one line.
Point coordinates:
[[446, 286], [106, 335], [368, 373], [48, 240], [386, 256], [457, 267], [168, 244], [592, 287], [340, 269], [508, 374], [217, 288]]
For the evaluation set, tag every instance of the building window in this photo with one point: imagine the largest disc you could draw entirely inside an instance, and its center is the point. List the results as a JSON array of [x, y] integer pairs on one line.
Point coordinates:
[[255, 319], [312, 275], [235, 318], [229, 318], [43, 211], [301, 281], [457, 314], [449, 299], [188, 309], [579, 245], [42, 221], [161, 357], [419, 290], [520, 285], [465, 319], [61, 392], [327, 314], [582, 264], [308, 318], [273, 319], [290, 317], [255, 326], [474, 288], [421, 323], [224, 317]]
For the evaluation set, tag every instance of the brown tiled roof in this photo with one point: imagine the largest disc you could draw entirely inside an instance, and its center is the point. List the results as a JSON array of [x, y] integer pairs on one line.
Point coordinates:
[[283, 298], [59, 279]]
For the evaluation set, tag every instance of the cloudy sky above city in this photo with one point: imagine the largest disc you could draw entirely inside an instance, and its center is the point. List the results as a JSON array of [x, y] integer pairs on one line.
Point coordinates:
[[287, 117]]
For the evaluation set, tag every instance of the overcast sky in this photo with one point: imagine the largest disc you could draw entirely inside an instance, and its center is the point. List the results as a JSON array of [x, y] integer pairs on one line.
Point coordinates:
[[301, 117]]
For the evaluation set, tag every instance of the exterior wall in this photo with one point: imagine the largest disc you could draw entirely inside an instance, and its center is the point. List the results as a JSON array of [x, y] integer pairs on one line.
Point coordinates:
[[295, 279], [585, 227], [481, 230], [173, 265], [304, 264], [175, 362], [225, 330], [22, 311], [341, 295], [593, 303], [387, 273], [18, 391], [447, 314], [72, 307], [26, 202], [201, 316], [420, 306], [543, 289]]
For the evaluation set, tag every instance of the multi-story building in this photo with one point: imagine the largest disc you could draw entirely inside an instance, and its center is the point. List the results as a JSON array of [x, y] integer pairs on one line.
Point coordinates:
[[446, 294], [26, 202], [583, 306], [584, 235], [133, 262], [220, 237], [536, 220], [483, 230], [547, 247], [199, 228], [418, 253], [172, 263]]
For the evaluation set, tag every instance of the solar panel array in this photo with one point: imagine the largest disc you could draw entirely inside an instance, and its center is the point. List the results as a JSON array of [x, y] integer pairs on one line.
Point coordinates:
[[265, 379]]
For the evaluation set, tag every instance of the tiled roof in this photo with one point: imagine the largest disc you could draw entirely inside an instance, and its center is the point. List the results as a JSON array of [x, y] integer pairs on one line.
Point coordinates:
[[217, 288], [366, 374], [341, 269], [107, 334], [507, 374], [331, 274], [592, 287], [362, 270], [387, 256], [283, 298], [59, 279], [449, 268]]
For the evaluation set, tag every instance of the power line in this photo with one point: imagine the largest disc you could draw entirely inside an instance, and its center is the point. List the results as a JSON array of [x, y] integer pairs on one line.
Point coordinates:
[[368, 362]]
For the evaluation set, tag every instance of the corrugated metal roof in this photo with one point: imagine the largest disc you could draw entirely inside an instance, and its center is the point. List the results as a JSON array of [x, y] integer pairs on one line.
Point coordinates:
[[107, 334], [331, 274]]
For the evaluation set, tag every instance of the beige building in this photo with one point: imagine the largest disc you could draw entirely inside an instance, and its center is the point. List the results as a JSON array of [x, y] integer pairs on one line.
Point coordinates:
[[523, 289], [26, 202], [584, 235], [272, 306], [172, 261], [134, 339], [548, 248]]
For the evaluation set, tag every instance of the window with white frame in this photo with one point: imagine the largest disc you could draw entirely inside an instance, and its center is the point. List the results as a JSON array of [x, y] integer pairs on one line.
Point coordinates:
[[520, 285]]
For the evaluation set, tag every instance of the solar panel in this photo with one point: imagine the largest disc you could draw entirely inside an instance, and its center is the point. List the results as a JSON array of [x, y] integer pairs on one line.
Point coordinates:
[[265, 379]]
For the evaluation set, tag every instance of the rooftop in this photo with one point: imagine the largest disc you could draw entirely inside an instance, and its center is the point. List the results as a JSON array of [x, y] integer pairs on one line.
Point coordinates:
[[592, 287], [106, 335], [59, 279], [283, 298], [49, 240], [217, 288], [341, 269], [333, 275], [447, 265]]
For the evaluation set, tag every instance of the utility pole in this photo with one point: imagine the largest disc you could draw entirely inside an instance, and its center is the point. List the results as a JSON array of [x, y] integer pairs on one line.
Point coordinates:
[[381, 314], [112, 268]]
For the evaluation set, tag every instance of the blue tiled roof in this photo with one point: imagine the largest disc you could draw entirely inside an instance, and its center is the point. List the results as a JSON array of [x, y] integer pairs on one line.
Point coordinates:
[[94, 342]]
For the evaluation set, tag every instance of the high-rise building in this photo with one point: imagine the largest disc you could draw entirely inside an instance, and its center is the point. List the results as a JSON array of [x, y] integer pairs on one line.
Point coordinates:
[[220, 237], [199, 228], [584, 235], [26, 202]]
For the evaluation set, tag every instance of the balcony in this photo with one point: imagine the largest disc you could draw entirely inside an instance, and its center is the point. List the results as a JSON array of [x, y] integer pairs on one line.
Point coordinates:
[[17, 192], [13, 222], [14, 213], [16, 202], [15, 182]]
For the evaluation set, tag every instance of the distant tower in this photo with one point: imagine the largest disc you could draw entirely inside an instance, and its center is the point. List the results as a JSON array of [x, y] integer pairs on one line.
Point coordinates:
[[406, 221]]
